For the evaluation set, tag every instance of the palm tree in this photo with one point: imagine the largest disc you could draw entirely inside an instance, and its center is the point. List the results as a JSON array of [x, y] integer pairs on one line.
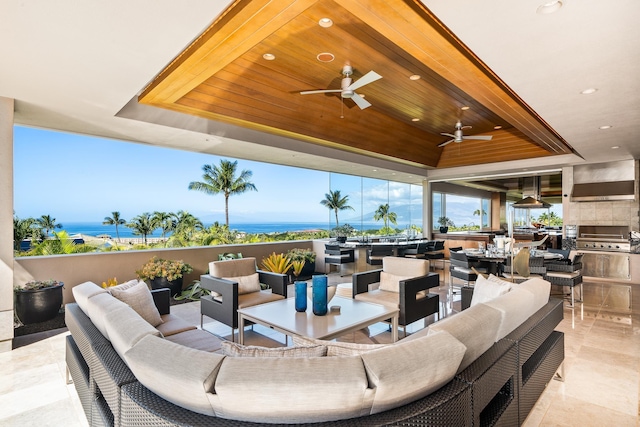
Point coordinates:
[[222, 179], [186, 225], [334, 201], [114, 219], [383, 213], [166, 223], [143, 225], [46, 223], [23, 229]]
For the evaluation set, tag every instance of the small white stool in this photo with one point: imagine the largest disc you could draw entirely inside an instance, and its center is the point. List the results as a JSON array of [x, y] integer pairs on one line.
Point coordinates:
[[345, 290]]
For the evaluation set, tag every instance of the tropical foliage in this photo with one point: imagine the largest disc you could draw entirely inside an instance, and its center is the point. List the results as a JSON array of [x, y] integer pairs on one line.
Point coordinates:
[[158, 267], [334, 201], [116, 220], [143, 225], [47, 224], [222, 179], [60, 244], [384, 213], [277, 263]]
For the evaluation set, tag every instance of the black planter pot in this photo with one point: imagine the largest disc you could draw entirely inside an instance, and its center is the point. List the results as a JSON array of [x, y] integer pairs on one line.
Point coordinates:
[[162, 282], [308, 270], [444, 229], [341, 239], [39, 305]]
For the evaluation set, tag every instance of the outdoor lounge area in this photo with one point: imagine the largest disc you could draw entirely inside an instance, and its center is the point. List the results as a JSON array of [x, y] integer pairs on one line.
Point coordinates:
[[600, 386]]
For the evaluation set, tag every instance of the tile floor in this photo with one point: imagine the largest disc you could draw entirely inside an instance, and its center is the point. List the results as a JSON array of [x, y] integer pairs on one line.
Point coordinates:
[[602, 365]]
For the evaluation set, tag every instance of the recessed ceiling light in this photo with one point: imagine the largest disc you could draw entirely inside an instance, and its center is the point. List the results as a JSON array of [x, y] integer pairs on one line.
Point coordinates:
[[589, 91], [615, 147], [549, 7], [325, 22], [496, 127], [604, 127], [465, 108], [375, 170], [269, 56], [325, 57], [415, 119], [414, 77]]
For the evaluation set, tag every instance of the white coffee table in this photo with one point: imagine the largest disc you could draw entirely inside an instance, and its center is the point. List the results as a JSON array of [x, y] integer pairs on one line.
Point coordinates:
[[282, 316]]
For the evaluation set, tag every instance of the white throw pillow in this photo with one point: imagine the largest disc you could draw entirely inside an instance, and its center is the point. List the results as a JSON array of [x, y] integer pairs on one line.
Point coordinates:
[[246, 284], [391, 282], [238, 350], [488, 289], [139, 298]]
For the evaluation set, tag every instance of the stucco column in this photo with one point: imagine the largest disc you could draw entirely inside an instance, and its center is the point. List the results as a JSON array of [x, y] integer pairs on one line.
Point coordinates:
[[6, 223]]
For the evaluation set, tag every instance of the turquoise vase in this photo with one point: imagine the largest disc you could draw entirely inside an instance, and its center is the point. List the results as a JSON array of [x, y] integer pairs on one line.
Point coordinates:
[[301, 296], [319, 295]]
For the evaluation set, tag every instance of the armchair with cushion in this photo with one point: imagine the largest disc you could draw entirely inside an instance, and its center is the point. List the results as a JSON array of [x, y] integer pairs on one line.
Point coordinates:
[[403, 283], [235, 284]]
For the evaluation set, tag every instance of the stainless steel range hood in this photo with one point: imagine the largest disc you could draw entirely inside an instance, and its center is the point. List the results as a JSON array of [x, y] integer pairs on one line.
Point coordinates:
[[604, 181]]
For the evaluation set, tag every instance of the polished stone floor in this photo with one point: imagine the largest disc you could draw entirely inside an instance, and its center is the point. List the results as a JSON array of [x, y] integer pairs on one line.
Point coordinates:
[[601, 368]]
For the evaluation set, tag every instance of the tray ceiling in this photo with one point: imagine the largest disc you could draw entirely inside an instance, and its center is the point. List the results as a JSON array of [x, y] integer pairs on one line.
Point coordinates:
[[224, 76]]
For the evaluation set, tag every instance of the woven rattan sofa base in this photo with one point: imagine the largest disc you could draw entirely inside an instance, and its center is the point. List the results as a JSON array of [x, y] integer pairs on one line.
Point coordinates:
[[485, 393], [449, 406], [79, 372], [493, 379]]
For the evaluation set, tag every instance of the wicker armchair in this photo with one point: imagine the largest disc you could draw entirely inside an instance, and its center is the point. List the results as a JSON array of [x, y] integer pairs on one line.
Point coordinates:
[[411, 278], [235, 284]]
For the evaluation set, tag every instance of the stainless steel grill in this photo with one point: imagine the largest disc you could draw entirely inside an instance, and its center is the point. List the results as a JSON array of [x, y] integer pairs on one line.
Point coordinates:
[[607, 238]]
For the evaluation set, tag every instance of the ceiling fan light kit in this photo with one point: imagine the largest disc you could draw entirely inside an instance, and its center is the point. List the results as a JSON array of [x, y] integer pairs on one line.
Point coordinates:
[[348, 87], [458, 135]]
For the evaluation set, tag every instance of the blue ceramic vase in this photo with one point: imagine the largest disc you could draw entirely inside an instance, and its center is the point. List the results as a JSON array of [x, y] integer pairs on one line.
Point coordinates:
[[319, 295], [301, 296]]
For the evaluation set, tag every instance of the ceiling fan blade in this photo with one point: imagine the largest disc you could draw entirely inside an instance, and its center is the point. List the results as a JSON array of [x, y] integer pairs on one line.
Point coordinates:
[[447, 134], [311, 92], [370, 77], [480, 137], [445, 143], [360, 101]]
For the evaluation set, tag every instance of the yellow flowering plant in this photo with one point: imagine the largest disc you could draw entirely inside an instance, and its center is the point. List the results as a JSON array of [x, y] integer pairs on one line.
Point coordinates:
[[158, 267]]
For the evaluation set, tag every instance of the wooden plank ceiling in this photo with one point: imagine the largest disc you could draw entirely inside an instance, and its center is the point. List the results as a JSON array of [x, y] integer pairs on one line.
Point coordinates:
[[223, 76]]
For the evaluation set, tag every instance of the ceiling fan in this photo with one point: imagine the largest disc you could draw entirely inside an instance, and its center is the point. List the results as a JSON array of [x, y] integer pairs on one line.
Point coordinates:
[[348, 87], [457, 135]]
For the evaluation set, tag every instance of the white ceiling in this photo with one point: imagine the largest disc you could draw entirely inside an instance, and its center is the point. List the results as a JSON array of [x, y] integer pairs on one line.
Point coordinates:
[[72, 66]]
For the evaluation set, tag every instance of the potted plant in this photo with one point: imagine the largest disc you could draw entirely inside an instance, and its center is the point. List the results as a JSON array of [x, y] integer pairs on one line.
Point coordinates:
[[445, 223], [309, 258], [162, 273], [277, 263], [342, 232], [37, 301]]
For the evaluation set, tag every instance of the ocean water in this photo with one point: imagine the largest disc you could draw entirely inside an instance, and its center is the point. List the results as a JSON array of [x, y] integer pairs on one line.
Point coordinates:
[[96, 228]]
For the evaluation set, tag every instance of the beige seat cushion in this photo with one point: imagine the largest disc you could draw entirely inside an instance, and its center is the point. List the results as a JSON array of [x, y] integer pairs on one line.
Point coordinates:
[[99, 306], [516, 306], [291, 390], [179, 374], [540, 288], [409, 370], [84, 291], [255, 298], [378, 296], [476, 328], [196, 339], [172, 325], [233, 267], [407, 267], [139, 298], [126, 328]]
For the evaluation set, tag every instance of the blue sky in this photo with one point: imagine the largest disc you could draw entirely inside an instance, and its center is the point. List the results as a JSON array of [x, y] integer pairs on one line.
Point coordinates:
[[78, 178]]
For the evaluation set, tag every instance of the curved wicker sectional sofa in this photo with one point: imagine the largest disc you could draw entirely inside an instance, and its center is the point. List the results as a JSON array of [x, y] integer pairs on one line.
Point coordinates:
[[485, 365]]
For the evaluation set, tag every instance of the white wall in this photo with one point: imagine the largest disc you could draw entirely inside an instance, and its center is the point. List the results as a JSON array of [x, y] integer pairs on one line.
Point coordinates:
[[6, 223]]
